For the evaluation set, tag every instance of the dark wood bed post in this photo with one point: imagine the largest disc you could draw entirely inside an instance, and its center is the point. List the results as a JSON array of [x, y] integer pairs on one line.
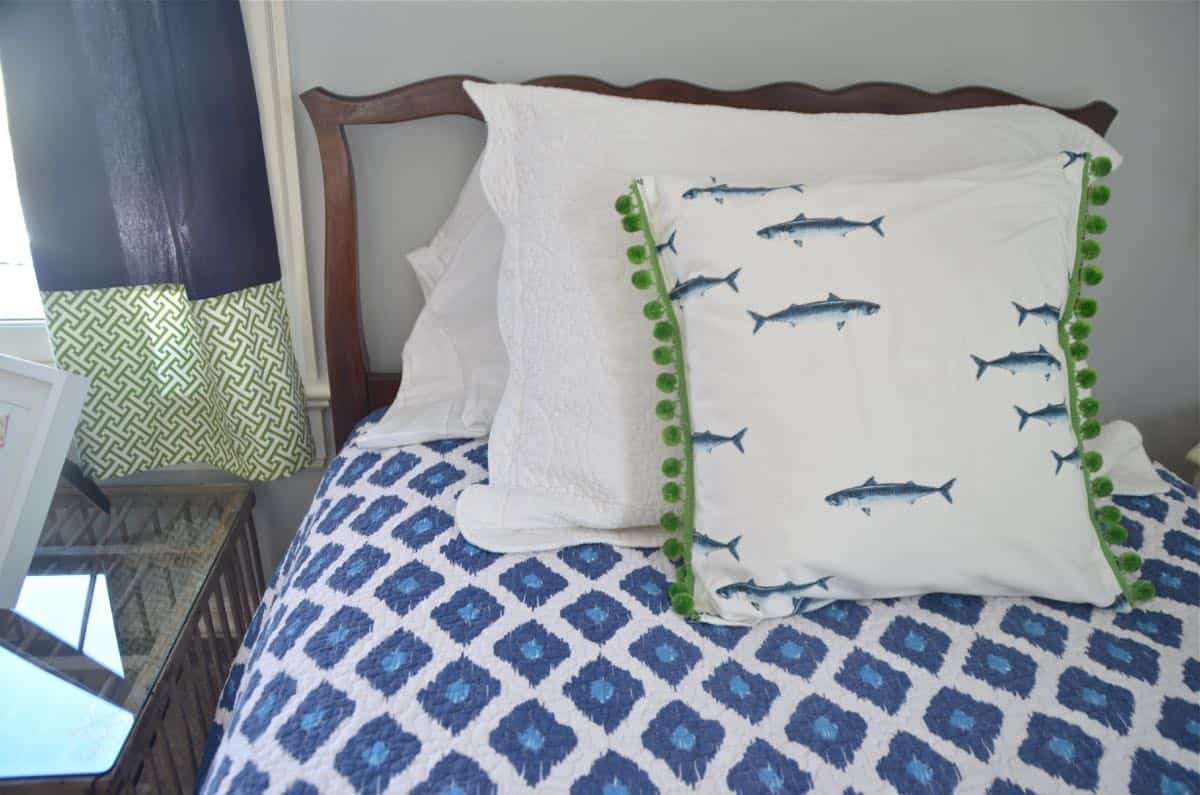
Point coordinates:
[[354, 389]]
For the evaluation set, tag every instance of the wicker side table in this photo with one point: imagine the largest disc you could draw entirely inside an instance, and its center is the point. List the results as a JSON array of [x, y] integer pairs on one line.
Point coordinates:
[[113, 661]]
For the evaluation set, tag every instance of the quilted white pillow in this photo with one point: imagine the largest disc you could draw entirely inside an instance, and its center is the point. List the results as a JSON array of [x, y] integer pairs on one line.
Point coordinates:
[[573, 450], [882, 396], [454, 365]]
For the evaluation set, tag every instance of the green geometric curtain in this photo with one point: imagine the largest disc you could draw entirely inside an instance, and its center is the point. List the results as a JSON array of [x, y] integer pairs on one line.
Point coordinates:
[[175, 381], [140, 167]]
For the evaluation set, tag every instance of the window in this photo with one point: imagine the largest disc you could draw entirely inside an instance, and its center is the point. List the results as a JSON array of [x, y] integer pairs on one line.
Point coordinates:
[[22, 323]]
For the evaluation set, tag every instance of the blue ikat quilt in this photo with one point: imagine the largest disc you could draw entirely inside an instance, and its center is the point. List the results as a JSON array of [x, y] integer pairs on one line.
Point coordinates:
[[390, 655]]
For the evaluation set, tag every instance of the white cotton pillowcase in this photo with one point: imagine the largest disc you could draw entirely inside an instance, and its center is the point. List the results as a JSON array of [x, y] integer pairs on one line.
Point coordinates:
[[454, 364], [574, 449]]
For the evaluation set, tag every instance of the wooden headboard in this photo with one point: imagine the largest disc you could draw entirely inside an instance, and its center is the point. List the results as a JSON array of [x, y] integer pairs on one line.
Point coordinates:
[[354, 389]]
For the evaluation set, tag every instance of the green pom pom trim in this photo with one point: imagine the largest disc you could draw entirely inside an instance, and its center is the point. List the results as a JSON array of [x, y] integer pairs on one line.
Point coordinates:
[[683, 604], [1129, 561], [1072, 329], [1101, 166], [666, 329], [1143, 591], [1093, 275]]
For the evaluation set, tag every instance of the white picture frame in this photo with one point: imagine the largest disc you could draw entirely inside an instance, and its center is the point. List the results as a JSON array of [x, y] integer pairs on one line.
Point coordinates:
[[39, 408]]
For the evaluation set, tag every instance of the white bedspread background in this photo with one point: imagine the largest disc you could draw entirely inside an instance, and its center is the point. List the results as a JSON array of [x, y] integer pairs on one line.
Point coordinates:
[[391, 655]]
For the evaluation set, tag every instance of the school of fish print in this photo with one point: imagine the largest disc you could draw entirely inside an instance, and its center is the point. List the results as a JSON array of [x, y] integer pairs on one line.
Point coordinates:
[[837, 310]]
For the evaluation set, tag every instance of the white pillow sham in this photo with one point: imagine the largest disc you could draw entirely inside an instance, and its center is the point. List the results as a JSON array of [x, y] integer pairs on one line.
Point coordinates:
[[454, 364], [885, 405], [573, 451]]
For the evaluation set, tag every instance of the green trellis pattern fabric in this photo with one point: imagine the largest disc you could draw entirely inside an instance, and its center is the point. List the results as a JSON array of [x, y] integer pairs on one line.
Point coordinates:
[[175, 381]]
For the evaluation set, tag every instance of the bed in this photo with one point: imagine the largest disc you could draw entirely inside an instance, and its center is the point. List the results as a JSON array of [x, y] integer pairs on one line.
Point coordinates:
[[390, 654]]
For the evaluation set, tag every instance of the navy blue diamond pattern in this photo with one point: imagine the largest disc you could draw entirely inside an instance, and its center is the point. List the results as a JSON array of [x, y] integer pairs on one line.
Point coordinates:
[[377, 752], [832, 733], [765, 771], [649, 586], [532, 740], [597, 616], [666, 654], [362, 669], [793, 651], [467, 613], [532, 651], [604, 693], [684, 740], [871, 678], [533, 582], [590, 560], [746, 693], [314, 720], [393, 662], [422, 527], [458, 694], [969, 723]]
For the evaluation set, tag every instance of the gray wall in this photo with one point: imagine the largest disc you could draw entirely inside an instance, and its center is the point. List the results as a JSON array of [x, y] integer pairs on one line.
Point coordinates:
[[1142, 57]]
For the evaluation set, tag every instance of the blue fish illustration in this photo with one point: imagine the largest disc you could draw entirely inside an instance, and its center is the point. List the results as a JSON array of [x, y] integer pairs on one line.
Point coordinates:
[[1073, 156], [802, 227], [708, 441], [668, 246], [757, 592], [1059, 459], [1050, 414], [699, 285], [721, 192], [708, 545], [833, 307], [872, 492], [1039, 361], [1045, 313]]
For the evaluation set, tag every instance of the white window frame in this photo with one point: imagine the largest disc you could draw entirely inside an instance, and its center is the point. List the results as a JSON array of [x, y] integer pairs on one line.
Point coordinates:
[[26, 339]]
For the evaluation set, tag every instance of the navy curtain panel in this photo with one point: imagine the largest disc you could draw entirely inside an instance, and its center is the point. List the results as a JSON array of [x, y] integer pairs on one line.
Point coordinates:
[[142, 178]]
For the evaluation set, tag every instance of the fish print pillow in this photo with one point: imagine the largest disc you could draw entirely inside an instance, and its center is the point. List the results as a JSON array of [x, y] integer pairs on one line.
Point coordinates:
[[878, 388]]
